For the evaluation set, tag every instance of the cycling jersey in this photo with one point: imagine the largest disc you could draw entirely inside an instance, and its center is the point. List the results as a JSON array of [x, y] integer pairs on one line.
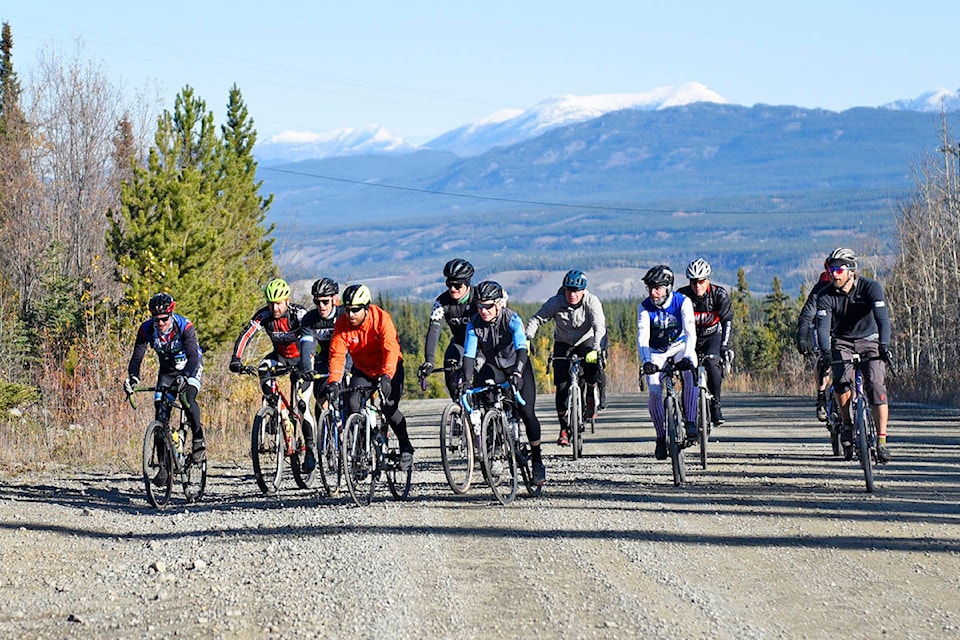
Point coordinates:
[[177, 349], [659, 329], [315, 341], [373, 345], [583, 323], [284, 332], [712, 312], [861, 314], [456, 313], [806, 325], [501, 341]]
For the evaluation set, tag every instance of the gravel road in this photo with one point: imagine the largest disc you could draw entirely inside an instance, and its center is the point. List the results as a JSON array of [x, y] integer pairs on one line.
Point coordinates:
[[777, 539]]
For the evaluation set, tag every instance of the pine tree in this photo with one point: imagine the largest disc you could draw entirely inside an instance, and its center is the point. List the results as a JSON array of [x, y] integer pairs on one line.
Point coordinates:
[[191, 222]]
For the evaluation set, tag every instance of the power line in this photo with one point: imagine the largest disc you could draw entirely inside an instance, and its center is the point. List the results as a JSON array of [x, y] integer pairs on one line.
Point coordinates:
[[544, 203]]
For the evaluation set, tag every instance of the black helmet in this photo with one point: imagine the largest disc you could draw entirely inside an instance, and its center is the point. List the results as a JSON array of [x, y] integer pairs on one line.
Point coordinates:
[[489, 290], [842, 256], [458, 269], [575, 280], [162, 303], [357, 295], [659, 276], [324, 287]]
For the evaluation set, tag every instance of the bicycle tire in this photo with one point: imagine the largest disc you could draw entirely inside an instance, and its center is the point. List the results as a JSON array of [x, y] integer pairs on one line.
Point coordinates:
[[674, 439], [398, 480], [154, 438], [303, 479], [522, 453], [498, 460], [834, 424], [703, 424], [359, 460], [194, 476], [456, 448], [862, 443], [267, 450], [575, 420], [328, 453]]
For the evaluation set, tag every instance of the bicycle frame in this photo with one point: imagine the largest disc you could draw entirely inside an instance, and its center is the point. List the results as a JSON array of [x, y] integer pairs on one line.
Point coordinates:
[[864, 429], [673, 422], [576, 401]]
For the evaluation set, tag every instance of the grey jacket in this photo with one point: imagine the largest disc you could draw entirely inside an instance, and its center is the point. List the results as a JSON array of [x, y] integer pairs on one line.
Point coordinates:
[[583, 324]]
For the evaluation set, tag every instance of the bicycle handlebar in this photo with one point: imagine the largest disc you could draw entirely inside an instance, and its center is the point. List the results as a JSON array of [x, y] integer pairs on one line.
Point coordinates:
[[502, 386]]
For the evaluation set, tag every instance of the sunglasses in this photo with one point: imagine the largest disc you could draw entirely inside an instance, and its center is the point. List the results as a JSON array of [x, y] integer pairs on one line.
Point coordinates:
[[486, 305], [840, 268], [456, 284], [161, 318], [322, 301], [357, 309]]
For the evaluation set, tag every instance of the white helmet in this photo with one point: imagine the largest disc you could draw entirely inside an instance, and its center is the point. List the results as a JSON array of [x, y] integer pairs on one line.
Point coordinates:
[[699, 269]]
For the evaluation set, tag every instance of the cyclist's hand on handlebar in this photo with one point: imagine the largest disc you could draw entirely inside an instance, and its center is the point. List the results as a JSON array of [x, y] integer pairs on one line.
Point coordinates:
[[425, 369], [886, 353], [591, 357], [236, 366], [516, 379], [333, 392], [179, 384], [648, 369], [306, 379], [685, 364], [129, 384]]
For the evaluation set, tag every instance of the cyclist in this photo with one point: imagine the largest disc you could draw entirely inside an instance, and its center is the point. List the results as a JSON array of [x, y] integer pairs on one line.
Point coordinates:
[[666, 330], [174, 338], [315, 338], [713, 315], [495, 334], [580, 329], [454, 306], [806, 340], [283, 322], [852, 317], [366, 332]]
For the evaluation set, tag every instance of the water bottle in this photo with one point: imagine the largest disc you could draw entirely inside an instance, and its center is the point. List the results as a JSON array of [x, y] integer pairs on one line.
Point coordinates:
[[287, 424], [177, 443]]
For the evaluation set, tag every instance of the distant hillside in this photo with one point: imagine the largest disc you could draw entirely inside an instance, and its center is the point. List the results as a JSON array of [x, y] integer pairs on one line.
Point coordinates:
[[766, 188]]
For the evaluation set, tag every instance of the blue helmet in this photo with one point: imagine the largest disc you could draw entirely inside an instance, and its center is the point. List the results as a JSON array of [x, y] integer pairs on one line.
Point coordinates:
[[575, 280]]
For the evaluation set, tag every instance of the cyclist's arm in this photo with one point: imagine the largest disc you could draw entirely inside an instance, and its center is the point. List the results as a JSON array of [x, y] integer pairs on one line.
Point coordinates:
[[338, 352], [824, 322], [391, 345], [433, 332], [519, 342], [806, 320], [597, 319], [192, 349], [543, 315], [881, 313], [469, 353], [689, 320], [139, 350], [643, 333], [725, 313], [244, 338]]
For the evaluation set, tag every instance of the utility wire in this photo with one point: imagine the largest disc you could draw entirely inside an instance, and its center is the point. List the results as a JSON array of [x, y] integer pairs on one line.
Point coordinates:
[[543, 203]]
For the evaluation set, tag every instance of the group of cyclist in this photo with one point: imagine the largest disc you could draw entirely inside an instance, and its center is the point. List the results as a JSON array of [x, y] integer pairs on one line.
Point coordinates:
[[348, 340]]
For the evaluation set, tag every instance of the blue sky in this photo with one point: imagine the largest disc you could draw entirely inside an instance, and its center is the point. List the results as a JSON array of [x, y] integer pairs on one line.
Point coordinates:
[[420, 68]]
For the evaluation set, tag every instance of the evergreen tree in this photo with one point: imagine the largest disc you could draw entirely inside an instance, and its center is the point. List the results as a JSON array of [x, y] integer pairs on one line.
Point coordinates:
[[191, 223]]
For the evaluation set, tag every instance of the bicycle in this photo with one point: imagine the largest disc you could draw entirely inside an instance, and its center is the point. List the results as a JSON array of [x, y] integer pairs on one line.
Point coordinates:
[[329, 463], [704, 409], [834, 422], [168, 449], [366, 452], [503, 451], [277, 432], [458, 434], [576, 401], [673, 422], [864, 446]]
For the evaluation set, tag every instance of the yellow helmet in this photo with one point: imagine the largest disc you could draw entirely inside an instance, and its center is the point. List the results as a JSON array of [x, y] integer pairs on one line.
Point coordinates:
[[356, 295], [276, 290]]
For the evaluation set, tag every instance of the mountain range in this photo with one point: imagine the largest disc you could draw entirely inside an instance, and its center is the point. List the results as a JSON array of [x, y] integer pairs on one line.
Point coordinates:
[[763, 188]]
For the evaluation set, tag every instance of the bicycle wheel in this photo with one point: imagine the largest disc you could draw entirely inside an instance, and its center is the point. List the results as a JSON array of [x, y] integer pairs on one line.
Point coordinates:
[[157, 459], [456, 448], [499, 463], [266, 450], [834, 425], [575, 420], [675, 439], [328, 445], [359, 460], [194, 476], [703, 424], [522, 454], [398, 480], [303, 479], [860, 428]]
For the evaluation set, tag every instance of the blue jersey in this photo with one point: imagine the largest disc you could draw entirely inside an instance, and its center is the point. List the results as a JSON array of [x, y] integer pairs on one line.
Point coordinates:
[[177, 349], [659, 329]]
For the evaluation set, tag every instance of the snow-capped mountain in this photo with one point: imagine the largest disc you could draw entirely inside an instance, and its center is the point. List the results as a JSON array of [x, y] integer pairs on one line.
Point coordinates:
[[291, 146], [928, 101], [511, 126]]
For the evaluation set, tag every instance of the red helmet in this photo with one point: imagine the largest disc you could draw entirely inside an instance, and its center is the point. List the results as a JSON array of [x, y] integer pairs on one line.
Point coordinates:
[[161, 304]]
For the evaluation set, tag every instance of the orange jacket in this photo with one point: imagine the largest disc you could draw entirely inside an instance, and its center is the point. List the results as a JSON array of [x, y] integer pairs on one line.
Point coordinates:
[[373, 345]]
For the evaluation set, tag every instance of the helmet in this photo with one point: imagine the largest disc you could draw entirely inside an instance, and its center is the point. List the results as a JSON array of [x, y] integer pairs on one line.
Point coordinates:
[[489, 290], [844, 256], [324, 287], [699, 269], [276, 290], [458, 269], [161, 303], [575, 280], [659, 276], [357, 295]]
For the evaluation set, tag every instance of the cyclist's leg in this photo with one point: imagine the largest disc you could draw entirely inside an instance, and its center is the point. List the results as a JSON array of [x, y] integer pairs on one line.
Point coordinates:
[[710, 345], [398, 422], [874, 381], [655, 405], [528, 391], [843, 379], [561, 380], [452, 360], [691, 392]]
